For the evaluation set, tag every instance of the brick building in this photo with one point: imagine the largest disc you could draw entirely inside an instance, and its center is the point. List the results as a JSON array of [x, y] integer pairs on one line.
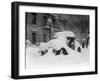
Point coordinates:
[[40, 27]]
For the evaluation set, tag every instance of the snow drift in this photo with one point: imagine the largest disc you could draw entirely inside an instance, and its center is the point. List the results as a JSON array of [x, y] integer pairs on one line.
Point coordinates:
[[49, 60]]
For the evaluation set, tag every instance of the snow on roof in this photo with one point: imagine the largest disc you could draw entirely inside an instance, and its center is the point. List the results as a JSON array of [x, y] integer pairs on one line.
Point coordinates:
[[64, 34]]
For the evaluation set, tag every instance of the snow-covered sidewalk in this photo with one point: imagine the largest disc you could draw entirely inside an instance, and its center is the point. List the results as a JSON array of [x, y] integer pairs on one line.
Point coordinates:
[[35, 61]]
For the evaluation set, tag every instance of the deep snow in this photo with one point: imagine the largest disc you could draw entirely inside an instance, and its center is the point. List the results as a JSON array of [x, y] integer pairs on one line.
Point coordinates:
[[35, 61]]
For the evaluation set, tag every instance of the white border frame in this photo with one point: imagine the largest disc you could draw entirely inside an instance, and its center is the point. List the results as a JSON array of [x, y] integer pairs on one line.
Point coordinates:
[[39, 9]]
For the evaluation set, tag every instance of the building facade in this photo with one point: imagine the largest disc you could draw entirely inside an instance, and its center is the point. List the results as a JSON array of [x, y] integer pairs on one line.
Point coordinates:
[[41, 27]]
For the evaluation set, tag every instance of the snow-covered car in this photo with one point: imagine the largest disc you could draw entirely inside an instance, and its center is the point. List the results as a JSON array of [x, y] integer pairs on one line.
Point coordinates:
[[64, 34], [57, 46], [70, 40], [64, 42]]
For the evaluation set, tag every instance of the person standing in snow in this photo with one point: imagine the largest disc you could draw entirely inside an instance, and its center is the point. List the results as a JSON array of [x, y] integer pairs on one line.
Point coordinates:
[[87, 41]]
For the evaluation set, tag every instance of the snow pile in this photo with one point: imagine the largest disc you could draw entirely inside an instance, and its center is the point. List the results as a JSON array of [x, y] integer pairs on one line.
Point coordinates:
[[58, 43], [28, 43], [49, 60], [64, 34]]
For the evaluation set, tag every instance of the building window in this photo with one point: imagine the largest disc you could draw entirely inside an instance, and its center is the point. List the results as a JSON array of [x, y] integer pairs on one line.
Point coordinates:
[[44, 20], [34, 18]]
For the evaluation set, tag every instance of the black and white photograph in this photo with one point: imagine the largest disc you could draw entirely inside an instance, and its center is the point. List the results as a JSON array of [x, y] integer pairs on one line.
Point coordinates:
[[50, 40], [55, 40]]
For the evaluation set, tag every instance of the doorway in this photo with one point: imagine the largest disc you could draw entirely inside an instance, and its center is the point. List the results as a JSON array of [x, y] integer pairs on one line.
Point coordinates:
[[34, 37]]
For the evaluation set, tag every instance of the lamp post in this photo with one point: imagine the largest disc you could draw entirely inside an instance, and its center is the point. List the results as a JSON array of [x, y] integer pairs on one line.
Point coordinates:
[[49, 24]]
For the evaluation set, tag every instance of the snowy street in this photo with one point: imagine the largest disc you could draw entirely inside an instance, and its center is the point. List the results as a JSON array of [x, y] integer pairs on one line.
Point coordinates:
[[35, 61]]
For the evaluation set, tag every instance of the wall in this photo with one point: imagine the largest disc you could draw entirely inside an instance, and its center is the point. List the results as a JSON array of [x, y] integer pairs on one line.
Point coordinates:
[[39, 29], [5, 40]]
